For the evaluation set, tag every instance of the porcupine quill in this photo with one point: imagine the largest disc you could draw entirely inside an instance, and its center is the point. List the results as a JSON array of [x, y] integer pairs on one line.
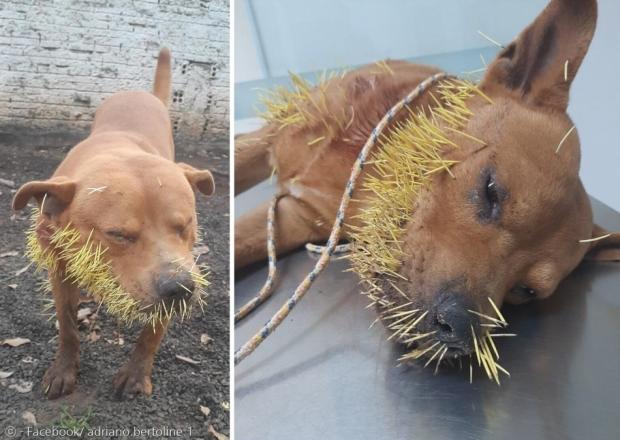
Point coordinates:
[[404, 161], [86, 266]]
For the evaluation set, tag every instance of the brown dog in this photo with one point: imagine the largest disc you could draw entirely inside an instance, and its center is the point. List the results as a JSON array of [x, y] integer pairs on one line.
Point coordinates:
[[122, 184], [510, 225]]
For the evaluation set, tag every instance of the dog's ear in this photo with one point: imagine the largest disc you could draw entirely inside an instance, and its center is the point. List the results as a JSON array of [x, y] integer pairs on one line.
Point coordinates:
[[540, 65], [202, 180], [607, 249], [57, 192]]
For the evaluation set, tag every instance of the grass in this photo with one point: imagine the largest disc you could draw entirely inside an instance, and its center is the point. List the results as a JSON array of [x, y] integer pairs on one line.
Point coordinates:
[[75, 423]]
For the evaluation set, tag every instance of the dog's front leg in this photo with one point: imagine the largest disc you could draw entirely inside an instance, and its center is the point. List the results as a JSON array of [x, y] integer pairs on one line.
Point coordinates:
[[135, 376], [297, 223], [61, 376]]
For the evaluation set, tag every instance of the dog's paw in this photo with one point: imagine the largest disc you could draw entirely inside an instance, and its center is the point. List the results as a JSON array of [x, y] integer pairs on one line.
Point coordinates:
[[131, 381], [59, 380]]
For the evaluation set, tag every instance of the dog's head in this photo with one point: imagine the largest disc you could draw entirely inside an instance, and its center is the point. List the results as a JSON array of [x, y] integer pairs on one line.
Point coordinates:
[[140, 209], [513, 219]]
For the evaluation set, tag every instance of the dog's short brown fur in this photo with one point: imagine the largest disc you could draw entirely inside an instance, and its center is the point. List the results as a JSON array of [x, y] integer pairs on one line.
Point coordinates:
[[513, 248], [121, 182]]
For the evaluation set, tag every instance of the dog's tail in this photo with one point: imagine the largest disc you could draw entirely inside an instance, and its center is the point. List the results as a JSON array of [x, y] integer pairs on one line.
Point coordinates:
[[163, 74]]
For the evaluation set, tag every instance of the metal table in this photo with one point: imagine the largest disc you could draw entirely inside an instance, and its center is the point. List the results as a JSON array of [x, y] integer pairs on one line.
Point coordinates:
[[325, 375]]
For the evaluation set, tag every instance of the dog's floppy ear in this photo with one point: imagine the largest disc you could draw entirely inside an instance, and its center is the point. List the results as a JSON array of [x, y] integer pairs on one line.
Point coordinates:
[[58, 192], [540, 65], [202, 180], [606, 249]]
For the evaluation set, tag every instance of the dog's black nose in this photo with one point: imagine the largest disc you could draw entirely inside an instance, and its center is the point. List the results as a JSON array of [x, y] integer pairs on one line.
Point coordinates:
[[175, 284], [453, 322]]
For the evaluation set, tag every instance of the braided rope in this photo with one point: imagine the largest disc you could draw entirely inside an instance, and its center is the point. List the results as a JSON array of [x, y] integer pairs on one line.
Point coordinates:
[[334, 237], [267, 289], [340, 249]]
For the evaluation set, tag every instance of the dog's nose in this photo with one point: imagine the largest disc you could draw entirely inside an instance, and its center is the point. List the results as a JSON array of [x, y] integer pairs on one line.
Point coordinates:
[[453, 322], [177, 284]]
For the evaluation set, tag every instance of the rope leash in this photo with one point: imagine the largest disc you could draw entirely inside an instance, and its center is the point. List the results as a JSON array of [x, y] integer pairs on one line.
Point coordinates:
[[267, 289], [253, 343], [340, 249]]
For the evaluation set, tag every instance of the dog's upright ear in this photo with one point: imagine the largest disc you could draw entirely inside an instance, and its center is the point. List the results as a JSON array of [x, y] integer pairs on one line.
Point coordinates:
[[54, 194], [201, 180], [606, 249], [540, 65]]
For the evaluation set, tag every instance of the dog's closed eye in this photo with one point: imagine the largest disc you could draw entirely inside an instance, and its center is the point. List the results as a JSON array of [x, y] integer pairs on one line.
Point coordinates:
[[121, 236], [489, 197], [182, 228]]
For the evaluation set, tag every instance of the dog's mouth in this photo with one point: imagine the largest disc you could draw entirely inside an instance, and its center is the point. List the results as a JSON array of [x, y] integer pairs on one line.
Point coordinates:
[[169, 307], [429, 337], [84, 264], [154, 310]]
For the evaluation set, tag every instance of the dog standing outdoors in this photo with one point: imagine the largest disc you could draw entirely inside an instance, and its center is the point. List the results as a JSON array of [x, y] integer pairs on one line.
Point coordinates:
[[512, 223], [121, 187]]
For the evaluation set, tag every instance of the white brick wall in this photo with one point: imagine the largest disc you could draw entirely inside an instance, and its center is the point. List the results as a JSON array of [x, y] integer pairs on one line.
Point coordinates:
[[60, 58]]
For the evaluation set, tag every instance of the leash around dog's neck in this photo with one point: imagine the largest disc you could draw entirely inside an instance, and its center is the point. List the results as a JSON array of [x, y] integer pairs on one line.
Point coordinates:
[[334, 237]]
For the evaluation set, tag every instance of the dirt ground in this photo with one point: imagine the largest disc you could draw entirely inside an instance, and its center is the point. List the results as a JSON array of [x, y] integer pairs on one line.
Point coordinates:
[[179, 388]]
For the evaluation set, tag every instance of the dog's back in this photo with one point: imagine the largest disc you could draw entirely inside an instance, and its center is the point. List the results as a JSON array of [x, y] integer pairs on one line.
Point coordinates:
[[141, 114]]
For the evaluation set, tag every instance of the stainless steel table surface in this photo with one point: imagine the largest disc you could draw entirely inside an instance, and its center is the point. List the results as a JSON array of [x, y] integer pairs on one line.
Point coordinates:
[[324, 375]]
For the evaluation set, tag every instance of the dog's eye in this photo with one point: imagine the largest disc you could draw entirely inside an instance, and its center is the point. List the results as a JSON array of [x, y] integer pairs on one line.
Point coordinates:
[[120, 236], [491, 194], [182, 229], [525, 292], [488, 197]]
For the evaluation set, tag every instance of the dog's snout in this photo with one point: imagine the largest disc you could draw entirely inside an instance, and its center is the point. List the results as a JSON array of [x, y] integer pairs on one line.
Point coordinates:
[[452, 320], [177, 284]]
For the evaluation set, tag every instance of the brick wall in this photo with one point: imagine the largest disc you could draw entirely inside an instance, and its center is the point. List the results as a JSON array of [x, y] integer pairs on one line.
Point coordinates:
[[60, 58]]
